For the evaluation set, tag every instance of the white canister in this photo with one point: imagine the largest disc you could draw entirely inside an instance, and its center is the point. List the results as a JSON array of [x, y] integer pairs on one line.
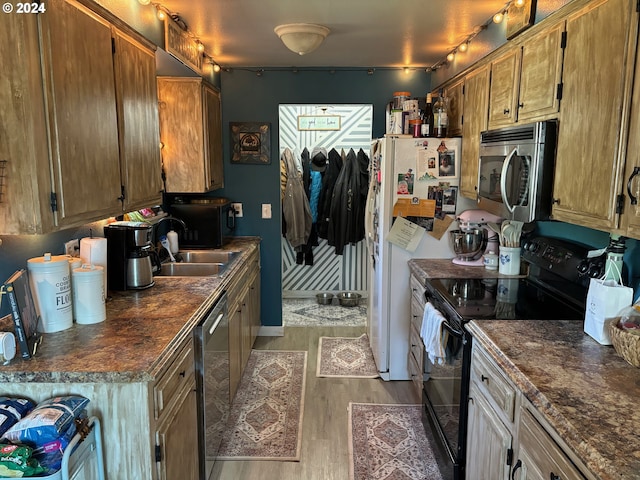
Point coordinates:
[[490, 261], [509, 261], [89, 294], [50, 280]]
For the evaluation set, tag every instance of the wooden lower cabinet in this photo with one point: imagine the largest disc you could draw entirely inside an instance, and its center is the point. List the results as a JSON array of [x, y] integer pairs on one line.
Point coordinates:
[[539, 457], [177, 440], [506, 437], [489, 440], [244, 319]]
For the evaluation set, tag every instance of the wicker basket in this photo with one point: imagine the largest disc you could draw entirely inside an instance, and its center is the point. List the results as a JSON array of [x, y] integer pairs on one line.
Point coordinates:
[[626, 344]]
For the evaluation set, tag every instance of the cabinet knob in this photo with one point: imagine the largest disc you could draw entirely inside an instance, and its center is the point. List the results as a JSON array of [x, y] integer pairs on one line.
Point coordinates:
[[553, 476], [182, 373], [556, 201], [506, 111], [521, 105], [483, 378]]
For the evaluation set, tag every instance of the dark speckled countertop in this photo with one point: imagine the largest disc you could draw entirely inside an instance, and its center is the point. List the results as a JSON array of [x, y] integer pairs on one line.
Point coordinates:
[[444, 268], [142, 331], [585, 391]]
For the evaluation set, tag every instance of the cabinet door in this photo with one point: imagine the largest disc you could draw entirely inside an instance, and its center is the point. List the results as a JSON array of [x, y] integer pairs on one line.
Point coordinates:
[[539, 457], [591, 130], [235, 345], [454, 96], [25, 185], [540, 75], [488, 440], [178, 442], [138, 123], [476, 92], [182, 134], [80, 91], [504, 89], [215, 170]]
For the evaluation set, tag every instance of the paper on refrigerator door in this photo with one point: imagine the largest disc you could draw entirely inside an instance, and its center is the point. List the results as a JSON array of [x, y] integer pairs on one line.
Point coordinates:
[[405, 234]]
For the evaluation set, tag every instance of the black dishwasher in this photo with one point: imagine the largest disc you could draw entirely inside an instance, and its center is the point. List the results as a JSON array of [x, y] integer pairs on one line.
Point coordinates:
[[212, 382]]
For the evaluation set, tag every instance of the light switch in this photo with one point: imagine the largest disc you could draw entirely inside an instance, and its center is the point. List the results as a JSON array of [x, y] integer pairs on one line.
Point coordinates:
[[266, 210]]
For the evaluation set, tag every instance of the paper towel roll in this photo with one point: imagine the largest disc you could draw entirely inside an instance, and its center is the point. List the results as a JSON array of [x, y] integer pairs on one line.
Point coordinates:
[[88, 294], [93, 251]]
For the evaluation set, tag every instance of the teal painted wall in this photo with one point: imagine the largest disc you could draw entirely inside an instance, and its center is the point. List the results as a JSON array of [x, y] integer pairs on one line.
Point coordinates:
[[247, 97]]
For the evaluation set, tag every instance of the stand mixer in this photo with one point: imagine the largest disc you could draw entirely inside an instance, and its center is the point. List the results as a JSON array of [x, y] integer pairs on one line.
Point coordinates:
[[473, 238]]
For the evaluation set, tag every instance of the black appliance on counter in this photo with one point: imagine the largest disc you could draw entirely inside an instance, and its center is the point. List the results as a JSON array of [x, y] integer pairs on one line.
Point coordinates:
[[210, 221], [556, 288]]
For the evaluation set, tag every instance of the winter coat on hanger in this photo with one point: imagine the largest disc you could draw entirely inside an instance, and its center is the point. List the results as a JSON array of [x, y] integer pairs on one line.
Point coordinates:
[[334, 166], [295, 206]]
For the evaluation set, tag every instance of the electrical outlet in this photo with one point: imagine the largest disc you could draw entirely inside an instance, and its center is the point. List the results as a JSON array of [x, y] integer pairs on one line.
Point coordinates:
[[72, 247], [266, 210], [238, 208]]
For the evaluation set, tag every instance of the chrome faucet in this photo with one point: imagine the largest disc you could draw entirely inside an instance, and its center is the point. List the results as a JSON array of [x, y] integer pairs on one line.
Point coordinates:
[[175, 219]]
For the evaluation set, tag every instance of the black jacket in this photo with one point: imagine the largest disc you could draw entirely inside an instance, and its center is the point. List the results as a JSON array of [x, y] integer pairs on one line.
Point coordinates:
[[334, 166]]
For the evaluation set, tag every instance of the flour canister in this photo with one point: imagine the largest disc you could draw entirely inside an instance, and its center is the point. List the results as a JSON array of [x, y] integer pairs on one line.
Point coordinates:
[[88, 294], [50, 280]]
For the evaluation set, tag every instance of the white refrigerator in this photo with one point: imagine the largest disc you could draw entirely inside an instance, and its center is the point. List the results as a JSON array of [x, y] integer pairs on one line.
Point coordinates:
[[406, 173]]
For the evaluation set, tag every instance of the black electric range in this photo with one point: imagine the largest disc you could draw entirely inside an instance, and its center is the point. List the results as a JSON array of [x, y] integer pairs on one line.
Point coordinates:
[[555, 288]]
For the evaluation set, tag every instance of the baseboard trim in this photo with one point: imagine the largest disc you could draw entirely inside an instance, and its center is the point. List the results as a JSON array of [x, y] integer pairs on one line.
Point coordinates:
[[271, 331]]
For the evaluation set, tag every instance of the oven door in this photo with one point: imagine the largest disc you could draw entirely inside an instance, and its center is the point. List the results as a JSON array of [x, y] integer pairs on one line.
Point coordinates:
[[444, 396]]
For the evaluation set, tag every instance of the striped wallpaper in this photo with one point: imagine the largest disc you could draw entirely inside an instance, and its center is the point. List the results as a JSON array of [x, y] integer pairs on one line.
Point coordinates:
[[330, 272]]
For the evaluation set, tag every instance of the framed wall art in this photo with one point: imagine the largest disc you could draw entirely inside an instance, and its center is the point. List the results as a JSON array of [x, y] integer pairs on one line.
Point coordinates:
[[520, 17], [250, 142]]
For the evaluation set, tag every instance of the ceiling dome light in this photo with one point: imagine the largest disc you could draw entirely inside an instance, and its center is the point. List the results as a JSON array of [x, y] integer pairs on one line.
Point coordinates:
[[144, 2], [302, 38]]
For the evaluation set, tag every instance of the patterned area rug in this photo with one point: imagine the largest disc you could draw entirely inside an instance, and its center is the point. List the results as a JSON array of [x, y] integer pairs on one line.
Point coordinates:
[[305, 312], [346, 357], [265, 422], [388, 442]]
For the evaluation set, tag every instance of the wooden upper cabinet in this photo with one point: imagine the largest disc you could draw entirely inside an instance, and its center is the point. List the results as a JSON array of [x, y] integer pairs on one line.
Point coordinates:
[[78, 122], [213, 126], [593, 113], [525, 80], [138, 123], [503, 92], [190, 130], [79, 86], [25, 185], [454, 95], [476, 96], [541, 75]]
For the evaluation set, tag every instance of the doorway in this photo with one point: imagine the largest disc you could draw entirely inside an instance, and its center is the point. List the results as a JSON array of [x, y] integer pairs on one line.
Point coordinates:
[[341, 128]]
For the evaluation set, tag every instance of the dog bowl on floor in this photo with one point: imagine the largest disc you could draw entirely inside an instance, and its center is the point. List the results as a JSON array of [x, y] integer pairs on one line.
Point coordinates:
[[349, 299], [324, 298]]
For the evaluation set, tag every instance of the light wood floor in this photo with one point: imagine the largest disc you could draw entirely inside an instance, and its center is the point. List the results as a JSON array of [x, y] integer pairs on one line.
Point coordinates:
[[325, 449]]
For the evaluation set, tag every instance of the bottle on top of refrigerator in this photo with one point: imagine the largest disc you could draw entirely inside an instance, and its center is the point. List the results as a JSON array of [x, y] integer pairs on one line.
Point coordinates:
[[440, 117], [427, 118]]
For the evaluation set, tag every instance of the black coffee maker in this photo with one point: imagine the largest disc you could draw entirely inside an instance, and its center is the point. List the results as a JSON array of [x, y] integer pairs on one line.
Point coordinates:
[[130, 255]]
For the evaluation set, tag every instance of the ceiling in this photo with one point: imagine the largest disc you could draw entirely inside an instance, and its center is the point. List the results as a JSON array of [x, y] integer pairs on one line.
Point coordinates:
[[364, 33]]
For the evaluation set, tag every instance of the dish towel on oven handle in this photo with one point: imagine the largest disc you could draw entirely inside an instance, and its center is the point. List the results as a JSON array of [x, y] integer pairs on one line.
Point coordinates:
[[433, 334]]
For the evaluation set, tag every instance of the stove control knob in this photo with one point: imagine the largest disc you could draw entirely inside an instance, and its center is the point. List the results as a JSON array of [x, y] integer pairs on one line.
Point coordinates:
[[595, 271], [583, 267], [526, 246]]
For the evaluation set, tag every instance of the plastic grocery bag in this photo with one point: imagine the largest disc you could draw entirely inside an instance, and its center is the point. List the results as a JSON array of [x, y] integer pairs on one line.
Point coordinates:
[[604, 300]]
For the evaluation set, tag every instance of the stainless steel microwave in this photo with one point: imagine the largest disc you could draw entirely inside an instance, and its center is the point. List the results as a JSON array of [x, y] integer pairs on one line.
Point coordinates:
[[515, 173]]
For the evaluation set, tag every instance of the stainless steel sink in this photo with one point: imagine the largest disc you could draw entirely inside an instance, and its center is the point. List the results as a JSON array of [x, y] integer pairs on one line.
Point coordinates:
[[207, 256], [192, 269]]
